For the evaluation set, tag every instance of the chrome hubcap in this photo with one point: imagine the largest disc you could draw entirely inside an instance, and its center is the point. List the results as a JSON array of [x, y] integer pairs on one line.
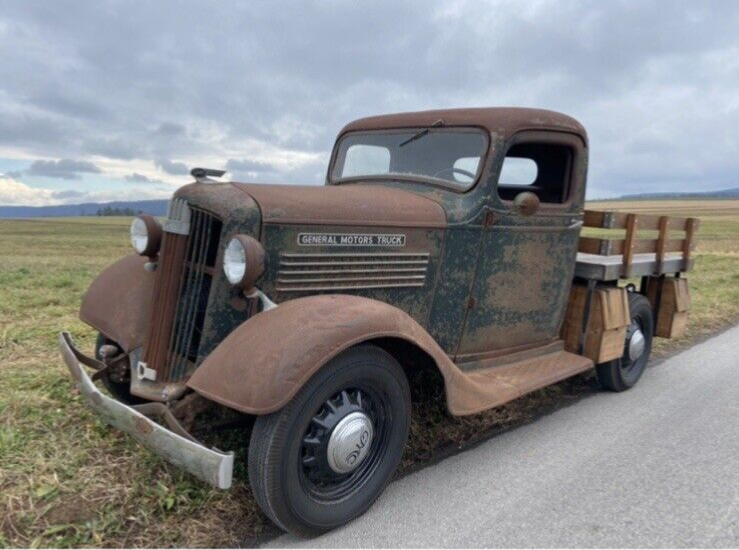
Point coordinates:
[[350, 442], [637, 343]]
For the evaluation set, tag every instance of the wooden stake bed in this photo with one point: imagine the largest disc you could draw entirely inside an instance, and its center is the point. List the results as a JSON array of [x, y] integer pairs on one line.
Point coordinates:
[[604, 259], [611, 268]]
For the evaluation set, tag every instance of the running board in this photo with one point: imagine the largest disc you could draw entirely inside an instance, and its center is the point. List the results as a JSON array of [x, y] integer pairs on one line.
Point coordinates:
[[479, 390]]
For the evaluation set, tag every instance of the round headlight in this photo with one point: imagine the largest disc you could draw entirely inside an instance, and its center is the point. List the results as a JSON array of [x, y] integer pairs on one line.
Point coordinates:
[[146, 235], [243, 261], [234, 262]]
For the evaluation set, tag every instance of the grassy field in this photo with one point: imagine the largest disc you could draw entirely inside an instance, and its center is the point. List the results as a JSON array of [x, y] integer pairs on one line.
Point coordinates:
[[66, 479]]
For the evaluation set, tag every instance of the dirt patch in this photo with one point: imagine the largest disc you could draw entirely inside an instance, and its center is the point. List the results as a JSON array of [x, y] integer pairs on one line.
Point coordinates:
[[74, 509]]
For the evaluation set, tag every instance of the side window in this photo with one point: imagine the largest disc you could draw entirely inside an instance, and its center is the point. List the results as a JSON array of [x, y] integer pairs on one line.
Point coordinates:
[[541, 168], [518, 171], [366, 159], [465, 169]]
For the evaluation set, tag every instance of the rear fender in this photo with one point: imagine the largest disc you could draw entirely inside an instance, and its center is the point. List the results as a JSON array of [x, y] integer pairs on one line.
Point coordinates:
[[262, 364], [118, 302]]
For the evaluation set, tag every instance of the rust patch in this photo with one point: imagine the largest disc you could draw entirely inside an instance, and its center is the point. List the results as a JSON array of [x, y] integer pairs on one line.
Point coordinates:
[[526, 204], [118, 302], [258, 375], [372, 205], [165, 301], [504, 120]]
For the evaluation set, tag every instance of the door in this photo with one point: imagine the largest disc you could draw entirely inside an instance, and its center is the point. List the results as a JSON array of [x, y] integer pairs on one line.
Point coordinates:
[[526, 265]]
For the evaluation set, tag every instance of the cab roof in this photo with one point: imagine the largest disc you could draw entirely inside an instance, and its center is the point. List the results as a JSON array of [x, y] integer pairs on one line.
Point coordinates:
[[504, 121]]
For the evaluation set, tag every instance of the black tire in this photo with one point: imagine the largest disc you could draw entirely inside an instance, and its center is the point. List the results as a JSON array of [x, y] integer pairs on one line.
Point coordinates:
[[291, 481], [120, 390], [623, 373]]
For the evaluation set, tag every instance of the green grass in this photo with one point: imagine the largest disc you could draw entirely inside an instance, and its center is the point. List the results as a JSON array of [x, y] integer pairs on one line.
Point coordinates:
[[68, 480]]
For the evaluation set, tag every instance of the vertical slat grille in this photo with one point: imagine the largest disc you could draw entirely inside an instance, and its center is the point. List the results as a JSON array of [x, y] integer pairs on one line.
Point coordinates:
[[166, 292], [184, 278], [197, 276]]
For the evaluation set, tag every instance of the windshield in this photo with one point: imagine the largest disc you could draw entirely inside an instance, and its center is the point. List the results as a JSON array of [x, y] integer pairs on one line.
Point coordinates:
[[450, 157]]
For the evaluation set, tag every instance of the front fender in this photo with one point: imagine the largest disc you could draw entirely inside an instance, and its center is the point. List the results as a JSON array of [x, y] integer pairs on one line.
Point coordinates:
[[118, 302], [262, 364]]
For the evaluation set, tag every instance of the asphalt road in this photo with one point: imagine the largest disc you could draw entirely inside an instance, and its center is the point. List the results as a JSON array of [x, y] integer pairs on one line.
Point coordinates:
[[657, 466]]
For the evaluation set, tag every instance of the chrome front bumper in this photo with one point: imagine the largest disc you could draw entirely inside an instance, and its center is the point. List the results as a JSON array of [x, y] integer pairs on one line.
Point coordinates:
[[207, 464]]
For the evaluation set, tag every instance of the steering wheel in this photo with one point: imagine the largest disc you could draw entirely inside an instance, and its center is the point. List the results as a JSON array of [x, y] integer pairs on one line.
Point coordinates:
[[455, 170]]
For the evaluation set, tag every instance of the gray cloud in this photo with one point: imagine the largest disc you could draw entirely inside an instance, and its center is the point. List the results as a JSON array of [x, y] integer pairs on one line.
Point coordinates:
[[117, 148], [66, 169], [31, 131], [140, 178], [170, 129], [171, 167], [68, 194], [655, 83], [234, 165]]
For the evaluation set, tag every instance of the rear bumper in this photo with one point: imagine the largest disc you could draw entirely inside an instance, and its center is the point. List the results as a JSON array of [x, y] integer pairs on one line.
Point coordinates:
[[206, 464]]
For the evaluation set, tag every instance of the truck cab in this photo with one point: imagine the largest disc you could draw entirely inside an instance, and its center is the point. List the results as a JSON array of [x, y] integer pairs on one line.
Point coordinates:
[[445, 240]]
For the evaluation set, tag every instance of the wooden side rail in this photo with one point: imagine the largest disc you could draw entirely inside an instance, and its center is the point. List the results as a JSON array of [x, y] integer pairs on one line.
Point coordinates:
[[631, 244], [618, 220], [615, 247]]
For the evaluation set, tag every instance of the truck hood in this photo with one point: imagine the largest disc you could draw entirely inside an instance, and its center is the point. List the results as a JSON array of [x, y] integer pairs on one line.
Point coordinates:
[[352, 204]]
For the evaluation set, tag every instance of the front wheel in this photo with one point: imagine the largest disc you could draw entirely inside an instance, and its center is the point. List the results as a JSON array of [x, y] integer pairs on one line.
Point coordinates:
[[623, 373], [324, 458]]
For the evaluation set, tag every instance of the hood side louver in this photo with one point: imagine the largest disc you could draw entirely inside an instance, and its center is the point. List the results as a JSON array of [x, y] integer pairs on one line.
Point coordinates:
[[351, 271]]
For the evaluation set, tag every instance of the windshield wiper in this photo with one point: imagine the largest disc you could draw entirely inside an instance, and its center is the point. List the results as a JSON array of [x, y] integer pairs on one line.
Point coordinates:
[[422, 133]]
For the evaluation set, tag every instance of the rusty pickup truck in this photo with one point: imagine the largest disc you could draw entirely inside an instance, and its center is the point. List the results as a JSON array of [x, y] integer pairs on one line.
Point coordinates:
[[446, 241]]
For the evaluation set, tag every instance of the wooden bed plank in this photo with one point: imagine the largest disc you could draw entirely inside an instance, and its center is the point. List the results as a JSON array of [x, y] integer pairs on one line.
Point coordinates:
[[615, 247], [664, 228], [618, 220], [610, 268], [632, 226]]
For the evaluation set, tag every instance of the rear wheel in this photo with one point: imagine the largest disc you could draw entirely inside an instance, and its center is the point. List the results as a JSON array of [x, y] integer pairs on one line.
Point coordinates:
[[623, 373], [325, 457]]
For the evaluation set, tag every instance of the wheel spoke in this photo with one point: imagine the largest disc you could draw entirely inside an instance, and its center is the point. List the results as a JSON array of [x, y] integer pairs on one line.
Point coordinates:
[[312, 441], [321, 423], [323, 458]]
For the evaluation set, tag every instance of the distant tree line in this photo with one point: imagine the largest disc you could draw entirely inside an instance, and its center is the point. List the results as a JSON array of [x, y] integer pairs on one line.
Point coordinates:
[[108, 211]]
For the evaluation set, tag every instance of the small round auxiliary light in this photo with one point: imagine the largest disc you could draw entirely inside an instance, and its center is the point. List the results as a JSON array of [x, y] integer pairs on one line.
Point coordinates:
[[146, 235], [243, 261]]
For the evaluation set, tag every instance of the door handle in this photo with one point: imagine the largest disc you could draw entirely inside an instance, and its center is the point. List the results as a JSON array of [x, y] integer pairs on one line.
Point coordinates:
[[576, 225]]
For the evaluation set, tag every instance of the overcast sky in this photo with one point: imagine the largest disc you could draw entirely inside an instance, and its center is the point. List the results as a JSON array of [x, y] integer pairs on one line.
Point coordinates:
[[108, 100]]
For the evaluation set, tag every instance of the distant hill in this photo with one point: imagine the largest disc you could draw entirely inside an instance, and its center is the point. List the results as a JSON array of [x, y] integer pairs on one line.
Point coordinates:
[[159, 207], [724, 194], [155, 208]]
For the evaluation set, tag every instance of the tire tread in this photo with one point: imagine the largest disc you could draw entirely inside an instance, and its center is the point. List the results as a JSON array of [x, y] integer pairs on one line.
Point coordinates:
[[609, 373]]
